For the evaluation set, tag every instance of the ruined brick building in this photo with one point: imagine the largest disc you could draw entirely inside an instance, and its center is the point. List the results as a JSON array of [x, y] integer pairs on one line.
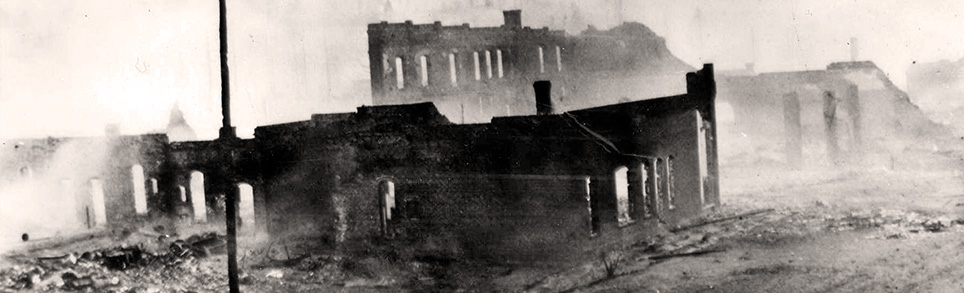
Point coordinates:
[[474, 74], [842, 115], [521, 187], [89, 182], [70, 182]]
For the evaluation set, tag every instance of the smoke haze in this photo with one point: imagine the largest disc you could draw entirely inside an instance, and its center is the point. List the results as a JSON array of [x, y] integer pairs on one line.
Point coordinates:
[[69, 68]]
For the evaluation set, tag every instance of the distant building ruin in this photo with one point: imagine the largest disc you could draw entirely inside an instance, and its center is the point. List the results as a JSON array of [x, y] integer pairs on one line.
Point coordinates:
[[177, 127], [474, 74], [833, 116]]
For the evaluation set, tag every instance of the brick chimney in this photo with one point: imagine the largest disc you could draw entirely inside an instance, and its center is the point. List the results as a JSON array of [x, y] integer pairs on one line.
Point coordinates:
[[543, 97], [513, 19]]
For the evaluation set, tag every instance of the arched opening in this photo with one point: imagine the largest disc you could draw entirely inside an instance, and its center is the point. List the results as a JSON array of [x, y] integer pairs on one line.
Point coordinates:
[[558, 59], [246, 206], [652, 187], [197, 197], [140, 193], [475, 62], [621, 187], [153, 183], [644, 190], [399, 74], [386, 200], [593, 218], [423, 69], [542, 63], [670, 199], [662, 188], [488, 64], [386, 67], [453, 77], [183, 192], [702, 155], [97, 202], [498, 61]]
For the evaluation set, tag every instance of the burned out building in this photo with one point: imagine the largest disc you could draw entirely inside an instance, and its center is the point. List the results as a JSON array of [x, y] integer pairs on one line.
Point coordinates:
[[845, 114], [474, 74], [55, 186], [61, 184], [520, 187]]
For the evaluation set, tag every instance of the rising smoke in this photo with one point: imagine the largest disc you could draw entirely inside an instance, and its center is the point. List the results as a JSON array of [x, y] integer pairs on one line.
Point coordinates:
[[51, 195]]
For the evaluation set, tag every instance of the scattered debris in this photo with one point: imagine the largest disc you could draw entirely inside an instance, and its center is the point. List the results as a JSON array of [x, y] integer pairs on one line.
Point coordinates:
[[936, 225], [694, 253], [896, 236], [724, 219], [275, 273], [91, 270]]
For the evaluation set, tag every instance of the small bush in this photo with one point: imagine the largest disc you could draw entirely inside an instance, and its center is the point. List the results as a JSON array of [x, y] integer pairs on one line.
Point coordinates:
[[611, 262]]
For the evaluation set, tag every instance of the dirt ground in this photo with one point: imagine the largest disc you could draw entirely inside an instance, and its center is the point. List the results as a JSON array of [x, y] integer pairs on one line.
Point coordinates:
[[854, 230], [844, 231]]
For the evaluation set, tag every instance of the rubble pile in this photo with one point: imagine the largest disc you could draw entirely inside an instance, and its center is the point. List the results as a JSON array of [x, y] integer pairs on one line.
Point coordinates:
[[895, 224], [789, 225], [95, 271]]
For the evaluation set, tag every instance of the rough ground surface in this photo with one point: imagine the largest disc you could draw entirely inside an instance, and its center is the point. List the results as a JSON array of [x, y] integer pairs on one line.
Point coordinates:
[[142, 260], [901, 234], [817, 231], [845, 231]]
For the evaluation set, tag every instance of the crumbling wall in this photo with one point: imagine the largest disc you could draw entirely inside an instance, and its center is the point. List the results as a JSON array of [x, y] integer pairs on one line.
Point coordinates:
[[846, 111], [678, 145], [148, 151], [224, 165]]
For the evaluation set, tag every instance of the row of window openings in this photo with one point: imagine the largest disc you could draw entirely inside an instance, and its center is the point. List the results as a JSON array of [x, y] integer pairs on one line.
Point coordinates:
[[661, 178], [423, 66], [199, 205], [625, 205]]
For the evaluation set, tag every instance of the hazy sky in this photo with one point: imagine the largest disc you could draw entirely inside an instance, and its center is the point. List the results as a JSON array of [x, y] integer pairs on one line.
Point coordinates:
[[67, 68]]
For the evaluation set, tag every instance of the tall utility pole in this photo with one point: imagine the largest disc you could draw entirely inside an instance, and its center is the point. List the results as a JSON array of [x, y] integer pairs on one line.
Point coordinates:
[[226, 138], [226, 130]]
